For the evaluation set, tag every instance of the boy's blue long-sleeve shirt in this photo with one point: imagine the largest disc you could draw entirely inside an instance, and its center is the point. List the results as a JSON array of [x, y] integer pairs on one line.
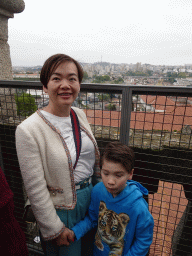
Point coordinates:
[[124, 223]]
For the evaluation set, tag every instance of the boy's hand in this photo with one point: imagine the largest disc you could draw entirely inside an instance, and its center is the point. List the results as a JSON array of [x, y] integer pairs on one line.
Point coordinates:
[[65, 237]]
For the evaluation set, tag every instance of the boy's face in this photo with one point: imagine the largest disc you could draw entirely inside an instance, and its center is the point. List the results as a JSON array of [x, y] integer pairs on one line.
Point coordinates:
[[114, 176]]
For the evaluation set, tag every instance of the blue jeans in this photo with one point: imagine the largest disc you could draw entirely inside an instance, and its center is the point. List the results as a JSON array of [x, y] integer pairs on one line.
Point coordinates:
[[70, 218]]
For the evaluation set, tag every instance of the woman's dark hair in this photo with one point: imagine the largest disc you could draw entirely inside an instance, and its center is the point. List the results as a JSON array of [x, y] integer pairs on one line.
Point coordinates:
[[119, 153], [53, 62]]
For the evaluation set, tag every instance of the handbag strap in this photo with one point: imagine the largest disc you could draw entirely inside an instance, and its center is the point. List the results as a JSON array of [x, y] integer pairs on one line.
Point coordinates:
[[76, 134]]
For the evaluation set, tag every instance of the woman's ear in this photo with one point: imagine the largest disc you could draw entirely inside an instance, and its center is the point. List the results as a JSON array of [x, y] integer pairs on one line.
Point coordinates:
[[45, 89], [79, 88]]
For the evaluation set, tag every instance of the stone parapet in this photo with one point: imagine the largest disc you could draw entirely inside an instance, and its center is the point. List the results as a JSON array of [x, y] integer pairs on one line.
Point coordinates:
[[7, 100], [6, 13], [5, 61], [12, 6], [7, 10]]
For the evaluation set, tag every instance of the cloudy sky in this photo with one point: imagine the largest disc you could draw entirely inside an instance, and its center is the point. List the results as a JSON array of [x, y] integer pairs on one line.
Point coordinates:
[[123, 31]]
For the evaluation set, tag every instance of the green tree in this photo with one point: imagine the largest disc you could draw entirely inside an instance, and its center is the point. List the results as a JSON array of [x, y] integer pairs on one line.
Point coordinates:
[[139, 73], [111, 107], [25, 104], [171, 77], [103, 97], [149, 72], [182, 75], [101, 79], [85, 76], [118, 81]]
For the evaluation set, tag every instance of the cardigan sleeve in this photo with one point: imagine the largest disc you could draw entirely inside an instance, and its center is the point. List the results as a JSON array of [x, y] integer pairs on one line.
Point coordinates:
[[31, 166]]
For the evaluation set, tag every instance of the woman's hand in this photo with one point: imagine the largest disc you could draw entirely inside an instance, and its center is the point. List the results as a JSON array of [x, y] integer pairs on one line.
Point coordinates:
[[65, 237]]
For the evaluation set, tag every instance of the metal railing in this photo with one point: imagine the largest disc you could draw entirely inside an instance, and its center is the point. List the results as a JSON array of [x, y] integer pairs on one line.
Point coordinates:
[[155, 121]]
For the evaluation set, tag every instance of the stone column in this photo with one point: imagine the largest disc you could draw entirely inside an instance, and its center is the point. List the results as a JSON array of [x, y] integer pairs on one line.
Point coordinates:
[[5, 60], [7, 10]]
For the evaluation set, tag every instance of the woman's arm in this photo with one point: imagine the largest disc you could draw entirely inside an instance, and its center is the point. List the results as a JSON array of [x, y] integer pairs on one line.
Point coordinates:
[[32, 171]]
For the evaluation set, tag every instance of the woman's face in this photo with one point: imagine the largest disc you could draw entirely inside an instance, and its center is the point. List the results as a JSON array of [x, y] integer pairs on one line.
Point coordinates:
[[62, 88]]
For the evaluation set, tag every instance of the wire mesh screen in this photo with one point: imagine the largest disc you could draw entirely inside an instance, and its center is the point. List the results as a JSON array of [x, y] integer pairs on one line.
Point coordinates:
[[15, 106], [103, 111], [160, 134]]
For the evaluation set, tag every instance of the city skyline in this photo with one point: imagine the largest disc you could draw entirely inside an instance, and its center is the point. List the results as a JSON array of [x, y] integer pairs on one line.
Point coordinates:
[[128, 66], [130, 32]]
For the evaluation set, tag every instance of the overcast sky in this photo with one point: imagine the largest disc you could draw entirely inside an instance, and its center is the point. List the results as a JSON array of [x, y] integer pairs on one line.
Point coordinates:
[[123, 31]]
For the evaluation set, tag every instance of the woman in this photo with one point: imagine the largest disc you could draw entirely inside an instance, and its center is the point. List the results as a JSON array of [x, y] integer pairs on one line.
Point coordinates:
[[12, 238], [58, 191]]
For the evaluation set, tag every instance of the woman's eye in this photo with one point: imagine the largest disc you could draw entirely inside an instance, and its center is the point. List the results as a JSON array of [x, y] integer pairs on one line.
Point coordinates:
[[72, 79], [56, 78]]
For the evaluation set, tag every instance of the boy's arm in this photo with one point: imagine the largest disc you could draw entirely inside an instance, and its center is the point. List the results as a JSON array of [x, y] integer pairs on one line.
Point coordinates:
[[89, 222], [143, 236]]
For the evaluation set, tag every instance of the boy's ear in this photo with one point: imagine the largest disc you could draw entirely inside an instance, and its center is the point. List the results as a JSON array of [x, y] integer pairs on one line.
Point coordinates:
[[131, 174]]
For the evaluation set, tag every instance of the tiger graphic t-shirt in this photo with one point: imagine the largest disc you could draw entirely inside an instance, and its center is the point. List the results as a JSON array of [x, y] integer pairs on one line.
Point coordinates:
[[124, 223]]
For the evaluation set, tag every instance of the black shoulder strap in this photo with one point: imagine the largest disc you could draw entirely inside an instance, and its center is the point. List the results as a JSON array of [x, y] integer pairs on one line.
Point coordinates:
[[76, 134]]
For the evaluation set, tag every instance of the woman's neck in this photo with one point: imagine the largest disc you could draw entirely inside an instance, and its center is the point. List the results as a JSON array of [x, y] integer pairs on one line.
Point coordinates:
[[64, 112]]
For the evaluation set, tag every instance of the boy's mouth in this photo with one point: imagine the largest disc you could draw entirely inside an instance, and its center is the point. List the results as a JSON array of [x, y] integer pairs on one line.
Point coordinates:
[[111, 189]]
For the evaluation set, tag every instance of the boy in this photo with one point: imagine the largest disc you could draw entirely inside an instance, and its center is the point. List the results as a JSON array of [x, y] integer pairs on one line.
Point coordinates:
[[118, 209]]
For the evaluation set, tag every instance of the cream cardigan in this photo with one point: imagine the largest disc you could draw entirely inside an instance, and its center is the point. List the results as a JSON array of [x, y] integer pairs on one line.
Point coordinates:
[[47, 170]]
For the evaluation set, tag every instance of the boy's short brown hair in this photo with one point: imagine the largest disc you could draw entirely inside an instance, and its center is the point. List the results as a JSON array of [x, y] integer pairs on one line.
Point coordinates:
[[119, 153], [53, 62]]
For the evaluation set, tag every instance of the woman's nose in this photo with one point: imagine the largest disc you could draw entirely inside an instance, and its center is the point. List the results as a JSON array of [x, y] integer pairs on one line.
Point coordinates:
[[64, 84]]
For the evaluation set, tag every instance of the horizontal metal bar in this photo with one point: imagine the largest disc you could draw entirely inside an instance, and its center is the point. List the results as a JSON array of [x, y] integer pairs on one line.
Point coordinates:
[[21, 84], [112, 88]]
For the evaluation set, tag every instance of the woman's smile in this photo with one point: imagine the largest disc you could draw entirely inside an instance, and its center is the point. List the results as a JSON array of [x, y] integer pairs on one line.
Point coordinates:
[[65, 95]]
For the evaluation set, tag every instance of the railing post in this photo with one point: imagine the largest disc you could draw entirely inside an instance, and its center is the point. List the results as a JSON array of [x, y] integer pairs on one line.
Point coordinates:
[[126, 114], [1, 158]]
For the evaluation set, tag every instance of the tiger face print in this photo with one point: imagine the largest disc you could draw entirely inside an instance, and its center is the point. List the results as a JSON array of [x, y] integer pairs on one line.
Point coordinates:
[[111, 230]]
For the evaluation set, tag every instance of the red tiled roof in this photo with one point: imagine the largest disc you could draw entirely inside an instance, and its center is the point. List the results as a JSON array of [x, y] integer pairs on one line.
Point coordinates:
[[174, 118], [159, 102], [104, 118]]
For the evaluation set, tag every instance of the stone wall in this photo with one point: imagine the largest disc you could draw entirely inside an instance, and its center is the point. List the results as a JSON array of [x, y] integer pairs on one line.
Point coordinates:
[[7, 101], [5, 60]]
